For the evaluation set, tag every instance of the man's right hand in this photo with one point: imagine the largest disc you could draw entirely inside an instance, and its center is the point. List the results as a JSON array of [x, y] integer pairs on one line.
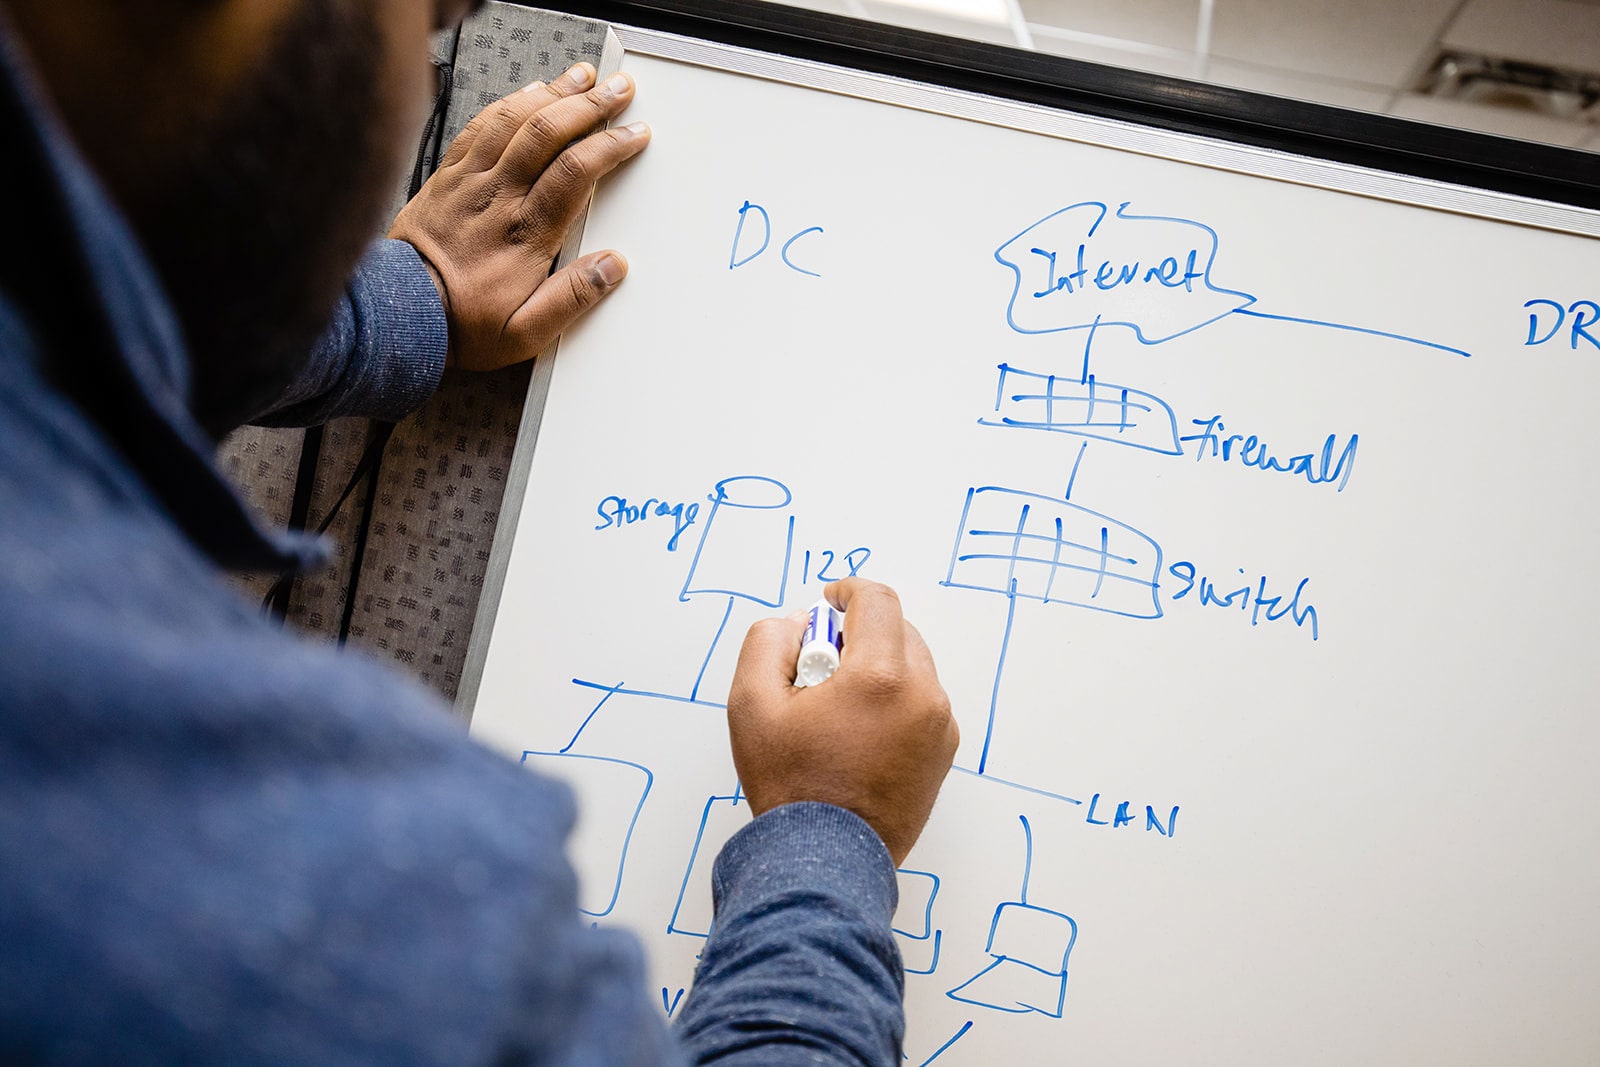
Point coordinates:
[[877, 738]]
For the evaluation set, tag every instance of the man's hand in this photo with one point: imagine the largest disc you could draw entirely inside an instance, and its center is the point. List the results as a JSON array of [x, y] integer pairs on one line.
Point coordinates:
[[492, 219], [877, 738]]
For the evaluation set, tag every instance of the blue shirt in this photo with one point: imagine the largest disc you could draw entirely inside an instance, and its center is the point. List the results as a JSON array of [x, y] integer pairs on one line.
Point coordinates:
[[219, 841]]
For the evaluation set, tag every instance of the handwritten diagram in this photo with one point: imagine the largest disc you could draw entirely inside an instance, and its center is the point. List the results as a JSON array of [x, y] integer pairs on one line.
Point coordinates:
[[1244, 513], [1093, 277], [1029, 947]]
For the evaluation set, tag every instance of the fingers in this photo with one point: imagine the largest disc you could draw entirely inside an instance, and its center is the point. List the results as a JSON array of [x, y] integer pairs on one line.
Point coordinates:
[[560, 301], [766, 661], [878, 739], [919, 657], [562, 191], [874, 625], [481, 144], [502, 205], [544, 134]]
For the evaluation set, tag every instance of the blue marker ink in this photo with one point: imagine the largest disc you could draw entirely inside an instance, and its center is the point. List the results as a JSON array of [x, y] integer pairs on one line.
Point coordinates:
[[915, 886], [784, 253], [1250, 597], [618, 777], [1029, 948], [615, 511], [734, 260], [853, 561], [942, 1049], [1084, 266], [738, 257], [1463, 353], [1315, 467], [820, 647], [1153, 823], [690, 915], [1585, 313], [749, 513], [1044, 548], [1028, 400]]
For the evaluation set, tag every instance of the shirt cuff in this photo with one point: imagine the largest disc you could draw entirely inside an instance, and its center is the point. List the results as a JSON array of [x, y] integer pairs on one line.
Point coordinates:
[[401, 317], [810, 847]]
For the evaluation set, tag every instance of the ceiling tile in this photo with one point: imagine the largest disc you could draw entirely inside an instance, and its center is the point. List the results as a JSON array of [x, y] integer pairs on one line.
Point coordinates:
[[1165, 23], [1560, 33], [1524, 125], [1379, 42], [1298, 86]]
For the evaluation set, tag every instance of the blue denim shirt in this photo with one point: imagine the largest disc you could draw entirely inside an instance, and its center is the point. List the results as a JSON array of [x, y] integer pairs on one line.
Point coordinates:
[[220, 842]]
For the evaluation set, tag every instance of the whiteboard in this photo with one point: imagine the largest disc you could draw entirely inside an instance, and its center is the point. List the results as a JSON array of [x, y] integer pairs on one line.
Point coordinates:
[[1242, 500]]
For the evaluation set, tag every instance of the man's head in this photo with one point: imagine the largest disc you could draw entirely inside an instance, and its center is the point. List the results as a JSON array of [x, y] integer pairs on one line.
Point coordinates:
[[253, 144]]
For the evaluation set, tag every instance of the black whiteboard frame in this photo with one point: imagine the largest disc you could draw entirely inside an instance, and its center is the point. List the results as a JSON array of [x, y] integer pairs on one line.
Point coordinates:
[[1379, 142]]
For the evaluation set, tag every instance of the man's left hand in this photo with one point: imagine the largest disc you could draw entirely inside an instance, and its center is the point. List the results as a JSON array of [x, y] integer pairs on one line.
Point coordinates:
[[492, 219]]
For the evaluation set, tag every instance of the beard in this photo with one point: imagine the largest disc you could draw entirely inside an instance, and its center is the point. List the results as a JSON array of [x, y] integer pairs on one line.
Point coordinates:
[[270, 206]]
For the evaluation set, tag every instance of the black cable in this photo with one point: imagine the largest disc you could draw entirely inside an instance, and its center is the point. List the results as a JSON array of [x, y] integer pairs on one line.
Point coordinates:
[[430, 132], [276, 602], [382, 431], [277, 598]]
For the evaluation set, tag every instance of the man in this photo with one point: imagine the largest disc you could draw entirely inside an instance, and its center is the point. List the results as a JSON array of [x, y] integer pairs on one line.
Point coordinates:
[[219, 842]]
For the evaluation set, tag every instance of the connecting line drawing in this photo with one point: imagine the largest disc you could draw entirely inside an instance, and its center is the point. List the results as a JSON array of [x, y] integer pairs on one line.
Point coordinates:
[[1035, 790], [749, 513], [692, 698], [622, 787], [744, 552], [923, 887], [619, 689], [1029, 947], [1463, 353], [1034, 547], [942, 1049]]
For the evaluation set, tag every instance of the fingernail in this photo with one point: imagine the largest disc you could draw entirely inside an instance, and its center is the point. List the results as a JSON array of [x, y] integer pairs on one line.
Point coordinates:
[[638, 129], [618, 84], [580, 74], [532, 87], [609, 270]]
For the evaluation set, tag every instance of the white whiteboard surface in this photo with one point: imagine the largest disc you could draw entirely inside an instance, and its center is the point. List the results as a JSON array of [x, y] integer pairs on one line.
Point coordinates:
[[1356, 824]]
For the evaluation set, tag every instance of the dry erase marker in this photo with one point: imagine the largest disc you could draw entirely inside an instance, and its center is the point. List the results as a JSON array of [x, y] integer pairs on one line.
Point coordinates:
[[819, 648]]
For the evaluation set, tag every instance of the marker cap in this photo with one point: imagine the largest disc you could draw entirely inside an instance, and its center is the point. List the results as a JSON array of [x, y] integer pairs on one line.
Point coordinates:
[[820, 646]]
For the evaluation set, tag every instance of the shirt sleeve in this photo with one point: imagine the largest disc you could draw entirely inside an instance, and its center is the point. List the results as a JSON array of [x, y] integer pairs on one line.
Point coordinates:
[[801, 965], [383, 352]]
